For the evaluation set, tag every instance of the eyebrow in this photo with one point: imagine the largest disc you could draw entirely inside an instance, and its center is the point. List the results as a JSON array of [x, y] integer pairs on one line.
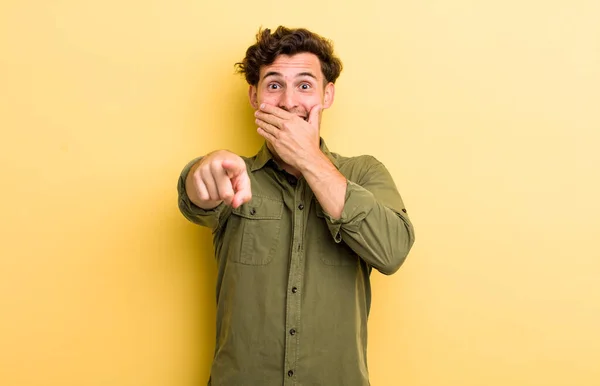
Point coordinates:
[[275, 73]]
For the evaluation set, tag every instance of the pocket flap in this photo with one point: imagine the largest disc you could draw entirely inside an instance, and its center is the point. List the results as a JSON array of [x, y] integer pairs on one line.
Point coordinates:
[[261, 208]]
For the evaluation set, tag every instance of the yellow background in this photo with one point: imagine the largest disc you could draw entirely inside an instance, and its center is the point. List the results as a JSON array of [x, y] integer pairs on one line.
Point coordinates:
[[486, 112]]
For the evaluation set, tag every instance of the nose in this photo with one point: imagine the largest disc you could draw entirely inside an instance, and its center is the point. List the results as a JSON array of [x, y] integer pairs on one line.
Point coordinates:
[[287, 100]]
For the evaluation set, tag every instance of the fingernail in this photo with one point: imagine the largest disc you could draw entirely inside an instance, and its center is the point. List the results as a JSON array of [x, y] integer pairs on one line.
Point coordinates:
[[262, 106]]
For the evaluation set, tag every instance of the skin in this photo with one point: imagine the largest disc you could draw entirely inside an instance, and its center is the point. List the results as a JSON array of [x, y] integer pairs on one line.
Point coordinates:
[[289, 99]]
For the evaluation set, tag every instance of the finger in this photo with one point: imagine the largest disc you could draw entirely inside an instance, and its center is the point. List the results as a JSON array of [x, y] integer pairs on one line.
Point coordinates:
[[211, 185], [240, 198], [233, 167], [266, 135], [313, 116], [276, 111], [243, 190], [267, 127], [269, 118], [223, 186], [201, 187]]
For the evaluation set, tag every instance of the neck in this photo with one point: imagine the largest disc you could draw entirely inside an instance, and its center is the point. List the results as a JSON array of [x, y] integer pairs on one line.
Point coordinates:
[[282, 164]]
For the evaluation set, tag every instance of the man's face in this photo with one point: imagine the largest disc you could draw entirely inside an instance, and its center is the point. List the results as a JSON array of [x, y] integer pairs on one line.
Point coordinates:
[[293, 83]]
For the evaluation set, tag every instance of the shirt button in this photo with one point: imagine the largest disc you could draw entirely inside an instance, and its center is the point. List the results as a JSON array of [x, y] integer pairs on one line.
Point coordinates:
[[294, 289], [292, 332], [252, 211], [301, 206], [290, 373]]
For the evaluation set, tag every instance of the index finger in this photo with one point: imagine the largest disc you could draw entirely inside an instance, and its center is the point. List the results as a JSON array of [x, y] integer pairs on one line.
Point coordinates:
[[233, 168], [224, 187], [276, 111]]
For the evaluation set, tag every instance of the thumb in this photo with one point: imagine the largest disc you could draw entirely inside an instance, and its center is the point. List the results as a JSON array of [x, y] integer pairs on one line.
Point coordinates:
[[243, 191], [314, 115]]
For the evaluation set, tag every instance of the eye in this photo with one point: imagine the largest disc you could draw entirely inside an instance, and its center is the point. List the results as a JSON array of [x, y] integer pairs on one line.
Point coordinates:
[[273, 86], [305, 86]]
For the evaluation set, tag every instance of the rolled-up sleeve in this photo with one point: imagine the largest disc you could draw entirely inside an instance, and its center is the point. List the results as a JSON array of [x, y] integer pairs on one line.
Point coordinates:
[[374, 221], [211, 218]]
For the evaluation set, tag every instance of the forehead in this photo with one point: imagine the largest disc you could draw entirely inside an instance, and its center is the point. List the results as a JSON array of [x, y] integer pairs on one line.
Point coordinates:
[[290, 66]]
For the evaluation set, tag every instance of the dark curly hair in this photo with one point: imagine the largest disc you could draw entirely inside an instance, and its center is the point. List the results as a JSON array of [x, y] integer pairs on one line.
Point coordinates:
[[286, 41]]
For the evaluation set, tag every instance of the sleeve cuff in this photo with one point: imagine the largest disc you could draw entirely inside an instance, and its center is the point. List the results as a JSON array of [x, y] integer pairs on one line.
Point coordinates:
[[359, 202]]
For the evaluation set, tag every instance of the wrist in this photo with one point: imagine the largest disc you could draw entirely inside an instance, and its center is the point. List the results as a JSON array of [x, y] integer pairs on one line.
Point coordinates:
[[318, 169], [313, 162]]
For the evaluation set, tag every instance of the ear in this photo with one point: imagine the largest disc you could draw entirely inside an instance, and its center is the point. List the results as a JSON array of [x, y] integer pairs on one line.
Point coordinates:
[[329, 95], [253, 97]]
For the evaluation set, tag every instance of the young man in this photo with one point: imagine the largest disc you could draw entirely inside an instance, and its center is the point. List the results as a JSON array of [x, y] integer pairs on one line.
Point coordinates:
[[297, 229]]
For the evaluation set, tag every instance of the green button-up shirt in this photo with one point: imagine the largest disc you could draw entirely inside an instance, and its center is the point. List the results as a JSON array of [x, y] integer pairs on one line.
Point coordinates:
[[293, 289]]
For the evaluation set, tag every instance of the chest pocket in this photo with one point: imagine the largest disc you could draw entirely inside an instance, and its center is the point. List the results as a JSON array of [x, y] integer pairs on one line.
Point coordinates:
[[330, 252], [259, 223]]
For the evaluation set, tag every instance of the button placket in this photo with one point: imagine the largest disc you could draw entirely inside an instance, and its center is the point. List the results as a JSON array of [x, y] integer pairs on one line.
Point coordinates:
[[296, 274]]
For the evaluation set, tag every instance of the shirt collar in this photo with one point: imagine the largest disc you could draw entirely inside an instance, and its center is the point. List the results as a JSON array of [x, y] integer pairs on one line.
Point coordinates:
[[264, 155]]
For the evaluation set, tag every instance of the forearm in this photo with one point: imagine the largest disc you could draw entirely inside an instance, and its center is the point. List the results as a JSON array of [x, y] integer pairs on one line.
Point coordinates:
[[373, 221], [327, 183], [379, 235]]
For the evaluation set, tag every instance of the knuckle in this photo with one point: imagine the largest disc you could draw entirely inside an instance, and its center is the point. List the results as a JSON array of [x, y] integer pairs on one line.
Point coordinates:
[[198, 181], [198, 171], [210, 188], [215, 166], [227, 196], [202, 193], [204, 168]]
